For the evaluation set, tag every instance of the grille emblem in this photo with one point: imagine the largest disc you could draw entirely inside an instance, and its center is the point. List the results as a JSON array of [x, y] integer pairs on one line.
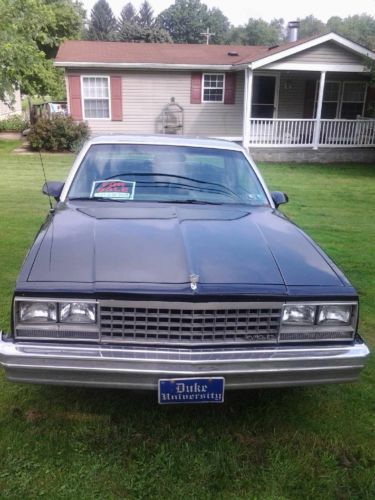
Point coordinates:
[[194, 278]]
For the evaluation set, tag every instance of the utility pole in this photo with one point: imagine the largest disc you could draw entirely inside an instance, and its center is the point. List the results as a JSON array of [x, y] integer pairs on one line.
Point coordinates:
[[208, 35]]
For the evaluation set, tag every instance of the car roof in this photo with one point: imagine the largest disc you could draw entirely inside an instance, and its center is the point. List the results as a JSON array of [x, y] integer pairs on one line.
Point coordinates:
[[165, 140]]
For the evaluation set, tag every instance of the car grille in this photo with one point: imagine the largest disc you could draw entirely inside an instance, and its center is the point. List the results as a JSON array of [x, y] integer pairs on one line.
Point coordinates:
[[189, 323]]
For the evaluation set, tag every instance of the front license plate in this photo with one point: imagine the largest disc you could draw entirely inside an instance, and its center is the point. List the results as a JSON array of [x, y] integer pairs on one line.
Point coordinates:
[[191, 390]]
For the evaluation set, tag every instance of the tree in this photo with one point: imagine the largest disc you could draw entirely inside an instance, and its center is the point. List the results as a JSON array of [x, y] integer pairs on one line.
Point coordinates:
[[310, 26], [218, 24], [102, 23], [127, 28], [155, 35], [359, 28], [67, 24], [279, 26], [141, 27], [258, 32], [26, 27], [132, 32], [128, 14], [186, 20], [145, 17], [334, 23]]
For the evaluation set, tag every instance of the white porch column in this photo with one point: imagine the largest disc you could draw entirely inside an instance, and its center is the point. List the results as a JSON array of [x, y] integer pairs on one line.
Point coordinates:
[[319, 110], [248, 95]]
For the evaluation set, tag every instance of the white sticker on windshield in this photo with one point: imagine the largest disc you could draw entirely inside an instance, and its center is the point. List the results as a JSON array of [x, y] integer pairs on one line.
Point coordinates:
[[114, 188]]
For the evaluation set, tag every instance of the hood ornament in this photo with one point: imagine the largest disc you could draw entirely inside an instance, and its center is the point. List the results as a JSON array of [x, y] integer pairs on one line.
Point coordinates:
[[194, 278]]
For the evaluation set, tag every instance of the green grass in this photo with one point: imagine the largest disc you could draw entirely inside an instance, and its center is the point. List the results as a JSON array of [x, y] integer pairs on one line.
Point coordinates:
[[312, 443]]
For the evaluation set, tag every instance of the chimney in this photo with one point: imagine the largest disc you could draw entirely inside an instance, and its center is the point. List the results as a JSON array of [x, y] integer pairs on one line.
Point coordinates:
[[293, 31]]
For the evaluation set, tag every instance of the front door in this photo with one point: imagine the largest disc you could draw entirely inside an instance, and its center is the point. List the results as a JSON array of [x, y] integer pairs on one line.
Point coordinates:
[[263, 103]]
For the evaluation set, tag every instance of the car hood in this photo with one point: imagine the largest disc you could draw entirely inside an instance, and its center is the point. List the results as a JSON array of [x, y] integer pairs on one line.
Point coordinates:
[[160, 244]]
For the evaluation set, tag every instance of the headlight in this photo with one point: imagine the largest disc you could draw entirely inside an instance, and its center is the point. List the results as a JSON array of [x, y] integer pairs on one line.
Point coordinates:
[[299, 314], [335, 315], [37, 312], [59, 319], [77, 312], [318, 322]]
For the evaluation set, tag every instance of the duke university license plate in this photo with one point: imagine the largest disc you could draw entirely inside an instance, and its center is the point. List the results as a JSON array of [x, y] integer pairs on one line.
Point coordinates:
[[191, 390]]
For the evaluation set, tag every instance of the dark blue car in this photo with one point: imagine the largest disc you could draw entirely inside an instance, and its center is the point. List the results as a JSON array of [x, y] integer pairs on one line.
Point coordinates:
[[165, 265]]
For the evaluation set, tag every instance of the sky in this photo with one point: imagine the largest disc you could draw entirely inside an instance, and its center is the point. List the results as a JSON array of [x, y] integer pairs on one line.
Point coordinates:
[[239, 11]]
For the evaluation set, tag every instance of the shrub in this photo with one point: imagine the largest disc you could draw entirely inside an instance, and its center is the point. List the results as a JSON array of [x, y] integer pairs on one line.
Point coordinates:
[[58, 133], [14, 123]]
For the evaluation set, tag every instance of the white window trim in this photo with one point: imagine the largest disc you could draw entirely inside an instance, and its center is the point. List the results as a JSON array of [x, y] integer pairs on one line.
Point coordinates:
[[203, 87], [83, 98]]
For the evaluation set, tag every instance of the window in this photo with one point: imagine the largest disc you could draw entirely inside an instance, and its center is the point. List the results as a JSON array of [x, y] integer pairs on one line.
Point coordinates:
[[213, 87], [330, 99], [263, 103], [95, 92], [342, 99], [353, 99]]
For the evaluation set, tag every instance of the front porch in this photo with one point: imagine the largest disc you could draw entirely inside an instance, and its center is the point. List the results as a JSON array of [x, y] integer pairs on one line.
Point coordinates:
[[314, 133], [318, 98], [303, 109]]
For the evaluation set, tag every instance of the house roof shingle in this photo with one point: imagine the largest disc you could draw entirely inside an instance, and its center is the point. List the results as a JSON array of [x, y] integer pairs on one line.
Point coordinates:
[[162, 53], [77, 52]]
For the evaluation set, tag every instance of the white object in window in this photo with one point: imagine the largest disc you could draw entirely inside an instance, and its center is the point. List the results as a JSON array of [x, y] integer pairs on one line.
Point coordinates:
[[95, 92], [213, 87]]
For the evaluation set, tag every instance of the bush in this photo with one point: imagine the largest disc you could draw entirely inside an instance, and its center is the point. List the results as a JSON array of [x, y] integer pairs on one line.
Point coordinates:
[[58, 133], [15, 123]]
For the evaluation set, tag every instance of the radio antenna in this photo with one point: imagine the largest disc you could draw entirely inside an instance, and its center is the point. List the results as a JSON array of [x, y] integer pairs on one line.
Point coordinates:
[[45, 180]]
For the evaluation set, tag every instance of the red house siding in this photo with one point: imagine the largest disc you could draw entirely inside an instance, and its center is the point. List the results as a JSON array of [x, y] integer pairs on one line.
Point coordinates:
[[75, 103], [230, 88], [116, 98], [196, 88]]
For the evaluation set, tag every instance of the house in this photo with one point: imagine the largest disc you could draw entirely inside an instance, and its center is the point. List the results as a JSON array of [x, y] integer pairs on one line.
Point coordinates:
[[6, 111], [307, 98]]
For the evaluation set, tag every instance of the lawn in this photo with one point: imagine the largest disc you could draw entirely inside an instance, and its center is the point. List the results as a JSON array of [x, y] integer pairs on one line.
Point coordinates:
[[312, 443]]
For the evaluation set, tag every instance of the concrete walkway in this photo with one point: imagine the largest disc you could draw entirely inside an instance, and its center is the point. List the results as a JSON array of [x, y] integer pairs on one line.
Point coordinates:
[[11, 135], [22, 148]]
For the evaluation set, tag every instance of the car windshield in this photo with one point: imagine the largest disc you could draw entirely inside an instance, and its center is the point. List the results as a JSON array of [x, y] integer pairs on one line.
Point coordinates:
[[164, 173]]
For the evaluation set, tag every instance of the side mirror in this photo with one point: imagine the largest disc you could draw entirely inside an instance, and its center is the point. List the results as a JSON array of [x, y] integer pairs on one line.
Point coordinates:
[[53, 188], [279, 198]]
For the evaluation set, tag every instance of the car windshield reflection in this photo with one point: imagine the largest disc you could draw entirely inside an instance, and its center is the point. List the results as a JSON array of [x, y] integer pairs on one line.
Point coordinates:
[[169, 174]]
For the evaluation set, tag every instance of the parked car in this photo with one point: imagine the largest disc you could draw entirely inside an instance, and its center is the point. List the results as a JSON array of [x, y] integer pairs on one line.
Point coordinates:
[[166, 265]]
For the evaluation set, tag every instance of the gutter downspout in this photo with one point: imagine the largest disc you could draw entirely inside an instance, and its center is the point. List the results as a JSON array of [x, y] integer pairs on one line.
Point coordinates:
[[319, 110]]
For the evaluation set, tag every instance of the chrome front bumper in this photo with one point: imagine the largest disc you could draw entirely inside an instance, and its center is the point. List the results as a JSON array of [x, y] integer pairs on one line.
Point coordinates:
[[141, 368]]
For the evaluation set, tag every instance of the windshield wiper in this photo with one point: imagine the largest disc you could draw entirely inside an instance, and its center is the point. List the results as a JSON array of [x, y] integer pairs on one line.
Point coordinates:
[[223, 189], [98, 198]]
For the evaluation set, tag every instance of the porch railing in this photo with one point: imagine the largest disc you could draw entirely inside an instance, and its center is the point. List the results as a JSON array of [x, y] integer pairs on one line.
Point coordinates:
[[293, 132]]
